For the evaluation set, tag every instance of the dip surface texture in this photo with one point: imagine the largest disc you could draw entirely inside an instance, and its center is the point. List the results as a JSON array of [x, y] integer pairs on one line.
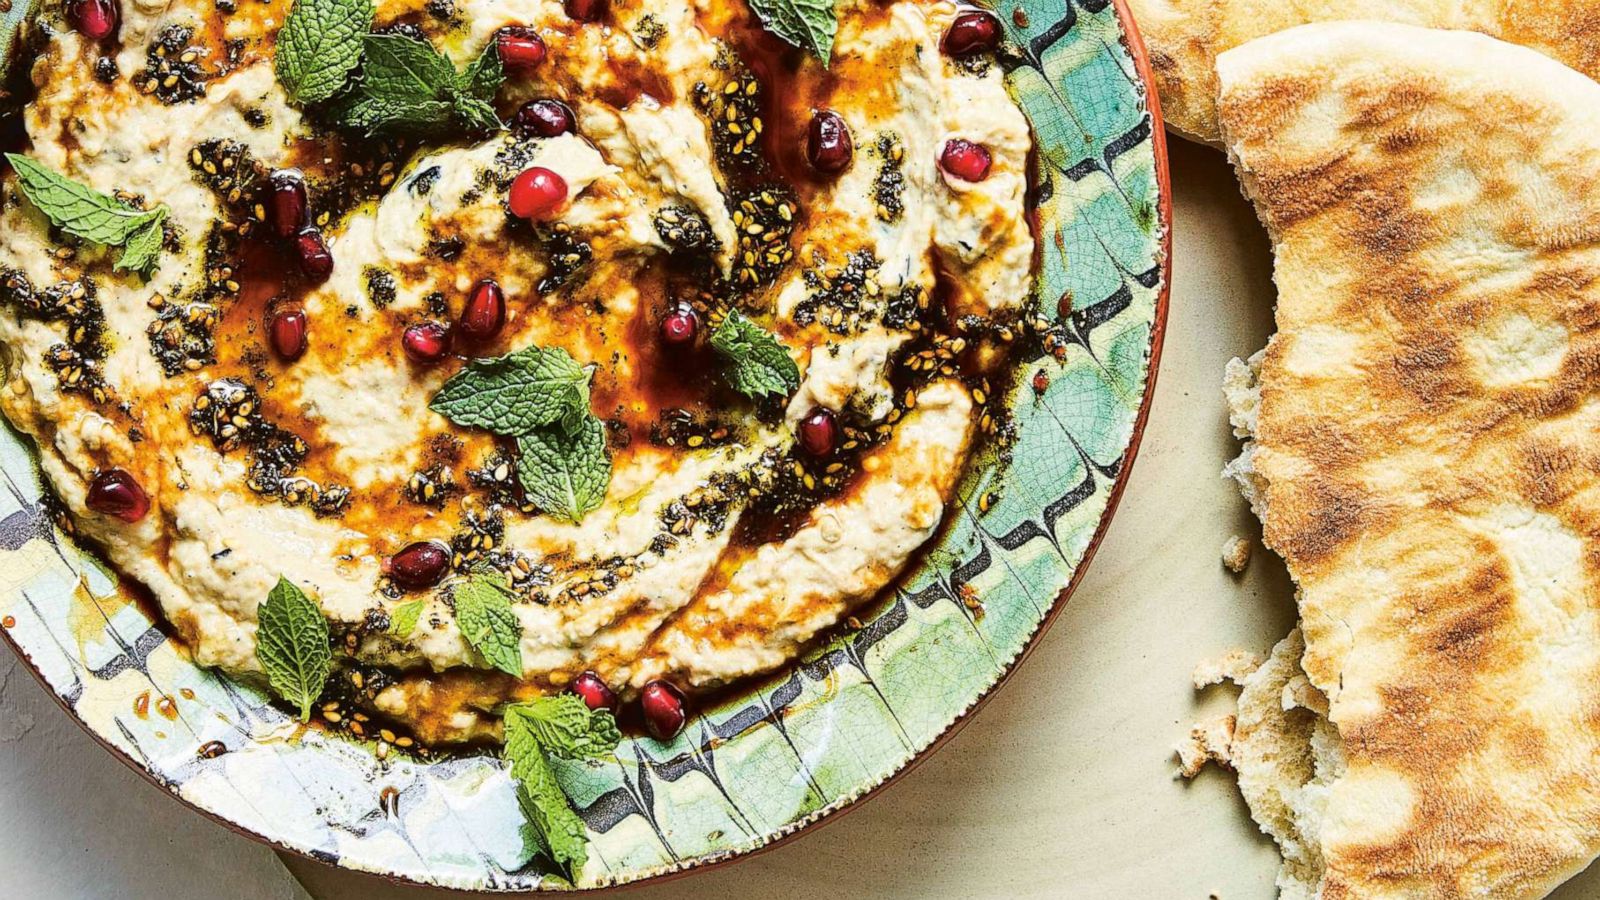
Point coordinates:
[[725, 542]]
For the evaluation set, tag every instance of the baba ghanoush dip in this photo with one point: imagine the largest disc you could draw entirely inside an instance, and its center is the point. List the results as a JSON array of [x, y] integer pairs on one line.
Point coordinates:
[[615, 348]]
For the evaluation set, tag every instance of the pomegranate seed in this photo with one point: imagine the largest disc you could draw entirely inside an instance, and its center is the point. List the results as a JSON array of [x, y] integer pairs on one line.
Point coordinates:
[[828, 143], [663, 706], [974, 31], [485, 312], [819, 432], [965, 160], [315, 259], [426, 342], [287, 206], [594, 692], [680, 326], [545, 118], [418, 565], [537, 194], [94, 19], [286, 331], [115, 493], [520, 48], [586, 10]]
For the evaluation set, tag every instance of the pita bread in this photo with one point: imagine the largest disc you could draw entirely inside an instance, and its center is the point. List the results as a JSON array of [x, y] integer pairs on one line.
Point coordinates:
[[1184, 37], [1426, 455]]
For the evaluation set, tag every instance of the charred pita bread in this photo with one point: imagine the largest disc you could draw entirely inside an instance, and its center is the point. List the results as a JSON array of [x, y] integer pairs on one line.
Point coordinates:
[[1425, 455], [1184, 37]]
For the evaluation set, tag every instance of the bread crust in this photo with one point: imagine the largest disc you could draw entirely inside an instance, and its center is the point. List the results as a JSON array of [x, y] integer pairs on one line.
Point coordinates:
[[1185, 37], [1427, 444]]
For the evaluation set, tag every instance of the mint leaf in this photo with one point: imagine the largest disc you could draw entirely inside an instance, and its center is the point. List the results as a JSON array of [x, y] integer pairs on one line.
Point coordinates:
[[484, 614], [516, 393], [565, 726], [476, 115], [474, 96], [292, 646], [566, 475], [319, 45], [807, 24], [404, 619], [143, 249], [482, 79], [403, 68], [422, 118], [562, 834], [84, 212], [754, 363]]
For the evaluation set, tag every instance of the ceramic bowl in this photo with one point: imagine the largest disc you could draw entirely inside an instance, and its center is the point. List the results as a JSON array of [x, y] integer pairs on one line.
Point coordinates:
[[781, 754]]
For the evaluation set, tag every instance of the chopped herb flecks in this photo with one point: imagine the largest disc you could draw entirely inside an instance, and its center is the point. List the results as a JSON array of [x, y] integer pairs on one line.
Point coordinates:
[[174, 69], [888, 189]]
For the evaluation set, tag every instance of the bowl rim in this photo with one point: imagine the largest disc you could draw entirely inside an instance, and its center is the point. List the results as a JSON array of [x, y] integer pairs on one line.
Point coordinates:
[[1133, 43]]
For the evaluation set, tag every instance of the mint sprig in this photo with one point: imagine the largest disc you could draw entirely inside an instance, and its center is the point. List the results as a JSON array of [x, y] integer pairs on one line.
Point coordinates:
[[516, 393], [487, 621], [408, 86], [566, 475], [292, 646], [540, 397], [807, 24], [565, 727], [382, 82], [85, 213], [753, 362], [320, 45]]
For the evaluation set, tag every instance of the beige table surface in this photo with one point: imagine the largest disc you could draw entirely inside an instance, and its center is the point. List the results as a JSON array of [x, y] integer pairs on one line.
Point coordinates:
[[1064, 786]]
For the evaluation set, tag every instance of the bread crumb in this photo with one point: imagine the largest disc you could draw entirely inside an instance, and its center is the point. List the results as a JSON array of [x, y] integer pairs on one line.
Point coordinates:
[[1208, 741], [1242, 388], [1235, 666], [1236, 554]]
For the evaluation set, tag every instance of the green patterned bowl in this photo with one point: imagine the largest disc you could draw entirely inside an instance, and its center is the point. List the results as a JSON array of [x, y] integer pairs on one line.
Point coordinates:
[[780, 755]]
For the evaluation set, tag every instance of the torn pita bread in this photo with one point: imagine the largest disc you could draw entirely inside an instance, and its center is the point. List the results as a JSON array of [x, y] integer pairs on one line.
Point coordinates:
[[1425, 455], [1287, 755], [1184, 37]]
